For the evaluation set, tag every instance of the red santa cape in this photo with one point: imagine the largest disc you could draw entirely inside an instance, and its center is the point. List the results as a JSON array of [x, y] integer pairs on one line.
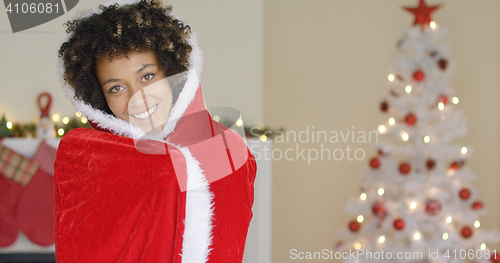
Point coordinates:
[[184, 195]]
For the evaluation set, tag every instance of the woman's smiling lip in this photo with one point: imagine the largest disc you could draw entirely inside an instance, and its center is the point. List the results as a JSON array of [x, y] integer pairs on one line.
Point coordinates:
[[145, 114]]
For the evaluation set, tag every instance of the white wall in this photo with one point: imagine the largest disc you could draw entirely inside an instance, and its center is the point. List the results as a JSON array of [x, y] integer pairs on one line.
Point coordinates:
[[229, 33]]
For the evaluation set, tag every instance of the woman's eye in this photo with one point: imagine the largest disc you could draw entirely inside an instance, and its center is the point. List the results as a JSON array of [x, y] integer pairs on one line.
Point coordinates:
[[148, 77], [115, 89]]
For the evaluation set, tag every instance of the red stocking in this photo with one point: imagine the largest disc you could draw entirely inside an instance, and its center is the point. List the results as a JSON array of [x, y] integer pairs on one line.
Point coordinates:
[[35, 209], [9, 196]]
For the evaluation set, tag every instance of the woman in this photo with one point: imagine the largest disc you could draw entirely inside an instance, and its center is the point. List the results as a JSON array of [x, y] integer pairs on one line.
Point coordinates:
[[156, 180]]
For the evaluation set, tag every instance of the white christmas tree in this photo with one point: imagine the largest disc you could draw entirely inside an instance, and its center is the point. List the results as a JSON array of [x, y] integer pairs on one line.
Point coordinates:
[[417, 203]]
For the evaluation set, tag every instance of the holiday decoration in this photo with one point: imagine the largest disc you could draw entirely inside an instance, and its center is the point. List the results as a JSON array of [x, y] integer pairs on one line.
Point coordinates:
[[399, 224], [27, 194], [354, 226], [466, 232], [374, 163], [477, 205], [442, 63], [456, 165], [4, 128], [430, 164], [443, 99], [45, 128], [410, 119], [464, 193], [432, 207], [422, 13], [495, 257], [418, 197], [418, 76], [404, 168], [378, 209], [384, 106]]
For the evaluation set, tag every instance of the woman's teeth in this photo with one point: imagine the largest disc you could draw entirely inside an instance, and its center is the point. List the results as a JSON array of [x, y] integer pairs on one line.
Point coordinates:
[[146, 114]]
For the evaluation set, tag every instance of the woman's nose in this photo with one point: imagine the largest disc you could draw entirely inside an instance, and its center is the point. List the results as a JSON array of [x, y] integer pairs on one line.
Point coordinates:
[[137, 98]]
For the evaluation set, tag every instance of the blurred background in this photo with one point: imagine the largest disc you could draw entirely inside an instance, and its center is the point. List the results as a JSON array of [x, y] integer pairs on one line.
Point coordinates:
[[298, 65]]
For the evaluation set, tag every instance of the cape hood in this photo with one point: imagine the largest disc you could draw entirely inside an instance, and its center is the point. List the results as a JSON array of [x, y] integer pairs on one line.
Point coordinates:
[[108, 122]]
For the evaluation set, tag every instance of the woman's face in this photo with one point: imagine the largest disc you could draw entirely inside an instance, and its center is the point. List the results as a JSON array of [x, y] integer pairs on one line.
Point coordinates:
[[136, 89]]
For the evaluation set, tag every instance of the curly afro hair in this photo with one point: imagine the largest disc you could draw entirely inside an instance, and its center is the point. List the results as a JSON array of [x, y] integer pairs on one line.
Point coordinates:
[[117, 31]]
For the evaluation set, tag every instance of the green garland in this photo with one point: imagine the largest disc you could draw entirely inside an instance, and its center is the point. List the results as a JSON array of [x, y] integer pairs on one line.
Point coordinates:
[[29, 129]]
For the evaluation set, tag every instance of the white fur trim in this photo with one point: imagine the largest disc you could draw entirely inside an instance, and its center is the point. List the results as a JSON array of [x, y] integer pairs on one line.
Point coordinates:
[[124, 128], [199, 213]]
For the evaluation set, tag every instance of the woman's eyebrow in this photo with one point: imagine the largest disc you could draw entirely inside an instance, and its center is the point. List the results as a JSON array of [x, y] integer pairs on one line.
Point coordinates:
[[145, 66]]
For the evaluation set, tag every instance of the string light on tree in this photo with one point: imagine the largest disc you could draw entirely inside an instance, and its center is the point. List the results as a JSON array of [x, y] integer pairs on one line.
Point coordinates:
[[362, 196], [408, 88], [483, 246], [445, 236], [463, 150], [360, 218], [441, 106], [381, 239], [390, 77], [454, 100], [477, 224], [392, 121], [448, 219], [433, 25], [405, 136], [56, 117], [381, 129], [380, 191]]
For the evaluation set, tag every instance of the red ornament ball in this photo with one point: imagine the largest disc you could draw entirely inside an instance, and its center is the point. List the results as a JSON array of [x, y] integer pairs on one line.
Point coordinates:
[[466, 232], [464, 193], [404, 168], [443, 63], [380, 152], [410, 119], [374, 163], [457, 165], [477, 205], [443, 99], [399, 224], [430, 164], [384, 106], [378, 209], [354, 226], [495, 257], [418, 76], [432, 207]]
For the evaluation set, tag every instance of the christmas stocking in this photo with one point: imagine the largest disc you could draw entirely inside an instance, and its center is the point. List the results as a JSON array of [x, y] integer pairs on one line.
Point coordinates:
[[16, 172], [35, 209]]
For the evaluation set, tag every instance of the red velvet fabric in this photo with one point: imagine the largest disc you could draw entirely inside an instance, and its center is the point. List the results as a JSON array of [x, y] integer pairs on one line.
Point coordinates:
[[116, 204]]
